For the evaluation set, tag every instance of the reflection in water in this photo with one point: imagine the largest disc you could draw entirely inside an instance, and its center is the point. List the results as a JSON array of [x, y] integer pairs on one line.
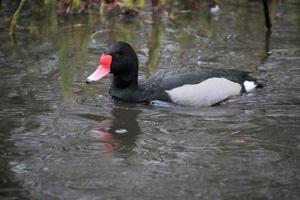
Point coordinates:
[[267, 41], [267, 46], [267, 14], [154, 43], [119, 132], [10, 187], [159, 152], [215, 10]]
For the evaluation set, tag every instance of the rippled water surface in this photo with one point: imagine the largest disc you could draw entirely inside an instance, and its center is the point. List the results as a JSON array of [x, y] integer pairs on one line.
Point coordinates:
[[63, 139]]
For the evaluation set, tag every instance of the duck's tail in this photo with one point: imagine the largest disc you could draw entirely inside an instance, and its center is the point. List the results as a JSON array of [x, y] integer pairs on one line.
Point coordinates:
[[251, 83]]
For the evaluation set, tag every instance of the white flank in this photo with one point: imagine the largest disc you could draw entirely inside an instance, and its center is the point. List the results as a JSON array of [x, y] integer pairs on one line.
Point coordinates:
[[249, 85], [206, 93]]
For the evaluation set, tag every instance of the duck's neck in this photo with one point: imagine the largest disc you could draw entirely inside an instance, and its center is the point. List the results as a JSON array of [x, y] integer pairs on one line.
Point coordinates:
[[125, 82], [127, 89]]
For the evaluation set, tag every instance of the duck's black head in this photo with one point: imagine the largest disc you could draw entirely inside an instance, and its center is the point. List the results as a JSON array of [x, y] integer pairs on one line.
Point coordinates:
[[120, 60]]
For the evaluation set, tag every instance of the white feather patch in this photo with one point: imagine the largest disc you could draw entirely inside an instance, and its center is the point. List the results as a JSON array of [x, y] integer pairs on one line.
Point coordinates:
[[206, 93], [215, 9], [249, 85]]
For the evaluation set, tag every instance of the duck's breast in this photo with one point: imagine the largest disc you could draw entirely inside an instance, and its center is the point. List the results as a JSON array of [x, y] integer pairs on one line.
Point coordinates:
[[205, 93]]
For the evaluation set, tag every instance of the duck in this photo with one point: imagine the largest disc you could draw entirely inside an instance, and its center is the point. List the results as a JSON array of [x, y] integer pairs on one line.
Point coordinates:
[[190, 86]]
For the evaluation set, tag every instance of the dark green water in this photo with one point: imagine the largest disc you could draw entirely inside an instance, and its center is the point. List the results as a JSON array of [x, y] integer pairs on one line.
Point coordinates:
[[63, 139]]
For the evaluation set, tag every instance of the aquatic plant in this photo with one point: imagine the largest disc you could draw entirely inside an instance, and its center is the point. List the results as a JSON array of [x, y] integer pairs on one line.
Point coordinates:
[[13, 23]]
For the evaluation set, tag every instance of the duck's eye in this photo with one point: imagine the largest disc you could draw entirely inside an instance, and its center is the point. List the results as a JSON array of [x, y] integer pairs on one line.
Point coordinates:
[[117, 56]]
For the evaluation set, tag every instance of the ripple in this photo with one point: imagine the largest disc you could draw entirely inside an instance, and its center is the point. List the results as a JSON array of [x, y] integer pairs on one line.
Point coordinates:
[[61, 141]]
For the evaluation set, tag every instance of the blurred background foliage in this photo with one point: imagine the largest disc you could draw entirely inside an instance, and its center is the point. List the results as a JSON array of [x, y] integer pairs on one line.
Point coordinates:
[[13, 10]]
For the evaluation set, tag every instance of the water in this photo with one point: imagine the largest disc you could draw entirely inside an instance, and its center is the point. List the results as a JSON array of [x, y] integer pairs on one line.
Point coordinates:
[[63, 139]]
